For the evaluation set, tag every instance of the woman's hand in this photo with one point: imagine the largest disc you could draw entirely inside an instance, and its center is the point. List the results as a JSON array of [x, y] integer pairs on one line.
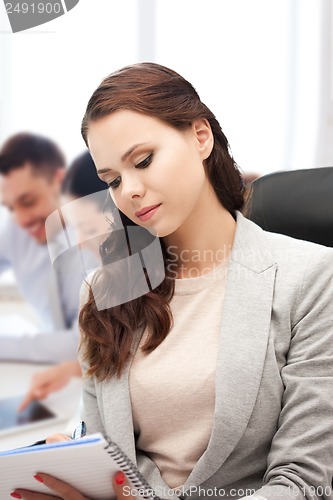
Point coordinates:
[[67, 492], [120, 482], [61, 489], [56, 438], [50, 380]]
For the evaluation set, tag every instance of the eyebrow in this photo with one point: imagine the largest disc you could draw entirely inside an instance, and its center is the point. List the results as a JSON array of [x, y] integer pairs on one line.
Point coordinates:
[[123, 158]]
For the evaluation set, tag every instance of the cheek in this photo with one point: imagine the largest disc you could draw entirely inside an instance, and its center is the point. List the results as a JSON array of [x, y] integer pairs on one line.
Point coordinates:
[[122, 203], [50, 203], [41, 209], [113, 196], [121, 206]]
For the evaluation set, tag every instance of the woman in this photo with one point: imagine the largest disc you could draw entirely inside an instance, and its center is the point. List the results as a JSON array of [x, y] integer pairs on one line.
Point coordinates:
[[217, 382], [84, 198]]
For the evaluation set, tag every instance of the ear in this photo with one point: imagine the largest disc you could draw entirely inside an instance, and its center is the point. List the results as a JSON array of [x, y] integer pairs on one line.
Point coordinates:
[[204, 137], [60, 175]]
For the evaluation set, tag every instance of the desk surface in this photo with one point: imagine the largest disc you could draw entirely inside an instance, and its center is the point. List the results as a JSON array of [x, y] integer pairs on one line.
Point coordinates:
[[15, 380]]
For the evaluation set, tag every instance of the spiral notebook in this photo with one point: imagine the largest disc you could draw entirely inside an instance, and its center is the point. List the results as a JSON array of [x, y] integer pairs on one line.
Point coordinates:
[[87, 464]]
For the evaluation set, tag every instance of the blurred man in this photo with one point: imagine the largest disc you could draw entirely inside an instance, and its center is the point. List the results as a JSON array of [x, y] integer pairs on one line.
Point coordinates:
[[31, 172]]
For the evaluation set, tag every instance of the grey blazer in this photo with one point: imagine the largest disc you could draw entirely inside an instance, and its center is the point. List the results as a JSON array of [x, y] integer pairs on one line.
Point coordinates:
[[273, 423]]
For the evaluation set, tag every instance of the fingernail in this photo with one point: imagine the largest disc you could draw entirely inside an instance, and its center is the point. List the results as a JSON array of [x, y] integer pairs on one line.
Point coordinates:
[[38, 478], [15, 495], [119, 478]]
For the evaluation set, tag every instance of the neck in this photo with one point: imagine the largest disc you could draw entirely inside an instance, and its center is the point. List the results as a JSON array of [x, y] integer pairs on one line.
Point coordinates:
[[203, 242]]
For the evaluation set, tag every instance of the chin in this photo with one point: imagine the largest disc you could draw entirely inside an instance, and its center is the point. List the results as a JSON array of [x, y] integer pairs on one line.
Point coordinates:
[[41, 240], [161, 233]]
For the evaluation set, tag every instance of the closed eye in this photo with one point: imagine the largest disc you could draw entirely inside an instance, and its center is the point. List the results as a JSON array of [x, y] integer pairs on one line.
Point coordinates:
[[143, 164], [146, 162], [115, 183]]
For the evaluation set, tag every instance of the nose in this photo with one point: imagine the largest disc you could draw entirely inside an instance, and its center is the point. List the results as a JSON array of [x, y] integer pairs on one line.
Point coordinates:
[[132, 186]]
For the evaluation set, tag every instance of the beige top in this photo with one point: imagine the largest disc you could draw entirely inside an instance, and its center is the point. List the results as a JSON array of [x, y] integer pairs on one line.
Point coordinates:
[[173, 388]]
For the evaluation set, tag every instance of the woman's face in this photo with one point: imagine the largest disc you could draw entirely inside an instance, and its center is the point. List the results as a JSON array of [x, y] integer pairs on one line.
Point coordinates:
[[151, 165]]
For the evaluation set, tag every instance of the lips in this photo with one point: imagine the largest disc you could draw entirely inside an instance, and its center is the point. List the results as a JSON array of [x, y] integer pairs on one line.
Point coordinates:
[[36, 229], [147, 212]]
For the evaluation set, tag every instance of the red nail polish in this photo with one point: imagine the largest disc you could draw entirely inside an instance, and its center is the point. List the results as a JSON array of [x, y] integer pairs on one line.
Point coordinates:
[[15, 495], [119, 478], [38, 478]]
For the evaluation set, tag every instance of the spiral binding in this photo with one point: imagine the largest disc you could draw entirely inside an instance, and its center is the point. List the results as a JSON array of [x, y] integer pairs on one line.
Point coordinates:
[[131, 471]]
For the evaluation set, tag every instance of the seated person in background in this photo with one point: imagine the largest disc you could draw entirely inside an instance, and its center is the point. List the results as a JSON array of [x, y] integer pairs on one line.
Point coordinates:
[[90, 223], [32, 169]]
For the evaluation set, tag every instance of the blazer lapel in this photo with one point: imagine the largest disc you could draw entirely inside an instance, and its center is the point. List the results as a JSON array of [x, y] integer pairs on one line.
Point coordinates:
[[116, 398], [243, 343], [119, 419]]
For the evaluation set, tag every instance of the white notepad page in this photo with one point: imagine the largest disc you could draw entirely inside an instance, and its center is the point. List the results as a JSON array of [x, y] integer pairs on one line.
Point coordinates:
[[83, 463]]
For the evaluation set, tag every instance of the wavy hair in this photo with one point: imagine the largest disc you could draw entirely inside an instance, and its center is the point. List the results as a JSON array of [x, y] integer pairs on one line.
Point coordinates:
[[156, 91]]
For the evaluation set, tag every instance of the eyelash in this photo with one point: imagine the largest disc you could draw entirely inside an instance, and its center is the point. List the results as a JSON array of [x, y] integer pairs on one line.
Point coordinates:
[[113, 184], [143, 164]]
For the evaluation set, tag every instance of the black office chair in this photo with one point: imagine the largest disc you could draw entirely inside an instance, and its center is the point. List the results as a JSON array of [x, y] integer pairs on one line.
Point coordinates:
[[297, 203]]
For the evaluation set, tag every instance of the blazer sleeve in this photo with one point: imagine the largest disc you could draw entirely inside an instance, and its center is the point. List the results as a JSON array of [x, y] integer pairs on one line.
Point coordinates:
[[90, 412], [300, 461], [90, 409]]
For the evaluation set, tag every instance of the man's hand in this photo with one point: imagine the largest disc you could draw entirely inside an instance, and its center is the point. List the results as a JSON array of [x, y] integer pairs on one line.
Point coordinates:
[[50, 380]]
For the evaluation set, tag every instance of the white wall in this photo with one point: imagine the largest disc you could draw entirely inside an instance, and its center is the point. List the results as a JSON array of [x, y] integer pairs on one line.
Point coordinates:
[[258, 64], [53, 69]]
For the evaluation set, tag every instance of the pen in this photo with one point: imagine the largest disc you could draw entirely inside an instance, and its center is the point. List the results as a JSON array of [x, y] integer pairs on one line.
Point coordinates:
[[43, 441], [78, 433]]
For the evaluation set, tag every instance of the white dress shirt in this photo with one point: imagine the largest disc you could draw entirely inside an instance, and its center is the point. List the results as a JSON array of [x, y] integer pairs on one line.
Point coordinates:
[[53, 294]]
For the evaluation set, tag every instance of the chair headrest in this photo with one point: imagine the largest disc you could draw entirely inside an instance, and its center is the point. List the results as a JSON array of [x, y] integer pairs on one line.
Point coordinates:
[[298, 203]]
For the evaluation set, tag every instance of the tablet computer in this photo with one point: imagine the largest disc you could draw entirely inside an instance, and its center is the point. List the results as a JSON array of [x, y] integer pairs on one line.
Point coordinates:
[[36, 414]]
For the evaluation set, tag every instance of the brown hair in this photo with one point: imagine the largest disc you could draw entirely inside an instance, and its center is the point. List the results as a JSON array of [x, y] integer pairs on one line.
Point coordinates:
[[154, 90], [41, 153]]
